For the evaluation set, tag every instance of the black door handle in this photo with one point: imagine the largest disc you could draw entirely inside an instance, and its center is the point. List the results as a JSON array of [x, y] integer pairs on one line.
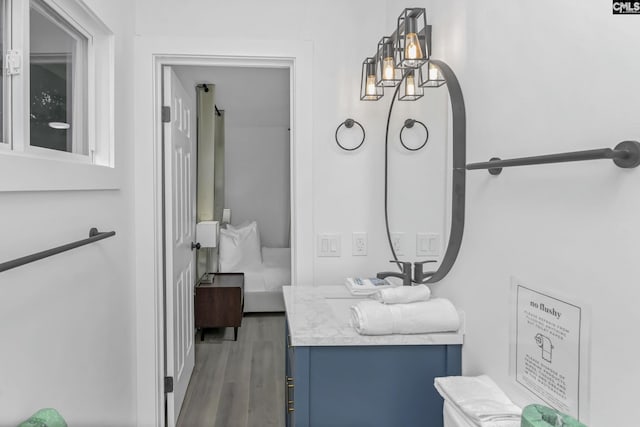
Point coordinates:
[[195, 246]]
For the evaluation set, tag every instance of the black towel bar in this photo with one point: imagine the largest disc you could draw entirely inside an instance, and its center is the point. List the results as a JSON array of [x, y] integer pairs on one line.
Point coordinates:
[[94, 236], [625, 155]]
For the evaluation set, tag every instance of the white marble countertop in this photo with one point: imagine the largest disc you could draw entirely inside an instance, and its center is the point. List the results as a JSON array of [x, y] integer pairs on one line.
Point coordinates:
[[319, 316]]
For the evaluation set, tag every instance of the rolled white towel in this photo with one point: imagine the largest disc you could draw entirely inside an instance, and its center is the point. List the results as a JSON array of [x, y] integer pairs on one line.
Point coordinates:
[[424, 317], [480, 399], [403, 294]]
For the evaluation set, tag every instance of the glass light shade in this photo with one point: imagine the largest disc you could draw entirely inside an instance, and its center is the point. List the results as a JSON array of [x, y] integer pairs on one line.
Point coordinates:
[[388, 68], [411, 40], [388, 74], [412, 49], [369, 90], [434, 76], [411, 89]]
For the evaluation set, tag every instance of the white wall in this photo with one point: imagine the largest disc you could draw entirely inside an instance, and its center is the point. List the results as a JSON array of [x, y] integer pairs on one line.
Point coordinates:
[[541, 78], [255, 102], [257, 180], [67, 322], [347, 190], [257, 150], [537, 78]]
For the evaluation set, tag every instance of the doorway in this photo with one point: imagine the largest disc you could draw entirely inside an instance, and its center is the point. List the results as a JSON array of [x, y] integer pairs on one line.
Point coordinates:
[[243, 116], [152, 53]]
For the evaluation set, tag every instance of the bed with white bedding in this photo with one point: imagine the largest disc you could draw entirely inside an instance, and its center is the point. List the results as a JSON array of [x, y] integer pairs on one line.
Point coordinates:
[[266, 270], [263, 285]]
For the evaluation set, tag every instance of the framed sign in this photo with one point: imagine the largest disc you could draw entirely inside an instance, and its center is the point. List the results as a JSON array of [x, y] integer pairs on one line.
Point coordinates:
[[548, 349]]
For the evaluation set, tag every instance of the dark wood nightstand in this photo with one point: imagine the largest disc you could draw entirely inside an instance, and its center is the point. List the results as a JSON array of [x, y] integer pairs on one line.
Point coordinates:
[[220, 303]]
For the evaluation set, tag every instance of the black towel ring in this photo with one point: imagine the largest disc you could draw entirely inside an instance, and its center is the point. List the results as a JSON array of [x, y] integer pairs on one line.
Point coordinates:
[[409, 124], [349, 124]]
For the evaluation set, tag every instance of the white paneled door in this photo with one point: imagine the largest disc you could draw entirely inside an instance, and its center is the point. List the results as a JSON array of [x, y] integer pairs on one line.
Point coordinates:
[[180, 220]]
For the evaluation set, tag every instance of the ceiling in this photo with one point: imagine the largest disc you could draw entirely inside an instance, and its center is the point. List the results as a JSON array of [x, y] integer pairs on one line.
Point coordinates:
[[249, 96]]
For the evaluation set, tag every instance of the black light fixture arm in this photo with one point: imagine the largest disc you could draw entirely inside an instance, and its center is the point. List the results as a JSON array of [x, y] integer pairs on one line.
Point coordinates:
[[625, 155]]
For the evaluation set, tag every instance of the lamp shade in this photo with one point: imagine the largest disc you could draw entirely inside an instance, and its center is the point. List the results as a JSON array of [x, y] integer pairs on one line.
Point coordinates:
[[207, 233], [411, 87], [387, 73], [411, 38], [369, 90], [434, 77]]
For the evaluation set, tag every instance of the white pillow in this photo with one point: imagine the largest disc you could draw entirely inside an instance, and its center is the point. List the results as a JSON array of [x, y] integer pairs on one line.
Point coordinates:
[[243, 226], [240, 249]]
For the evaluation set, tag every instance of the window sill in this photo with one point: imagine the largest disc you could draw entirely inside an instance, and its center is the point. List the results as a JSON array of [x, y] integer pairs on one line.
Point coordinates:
[[22, 172]]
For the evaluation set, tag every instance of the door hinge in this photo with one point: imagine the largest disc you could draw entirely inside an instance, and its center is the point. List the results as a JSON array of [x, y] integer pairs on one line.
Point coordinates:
[[14, 62], [168, 384], [166, 114]]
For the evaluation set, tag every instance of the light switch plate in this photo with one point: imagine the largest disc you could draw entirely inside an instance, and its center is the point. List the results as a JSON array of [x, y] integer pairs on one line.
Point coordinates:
[[428, 244], [329, 245]]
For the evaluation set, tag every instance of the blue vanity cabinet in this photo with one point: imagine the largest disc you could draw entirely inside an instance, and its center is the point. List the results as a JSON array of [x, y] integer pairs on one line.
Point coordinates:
[[381, 385]]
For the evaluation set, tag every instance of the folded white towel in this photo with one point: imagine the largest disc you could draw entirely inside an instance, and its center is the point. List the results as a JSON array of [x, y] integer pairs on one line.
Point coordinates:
[[358, 286], [452, 415], [403, 294], [424, 317], [479, 399]]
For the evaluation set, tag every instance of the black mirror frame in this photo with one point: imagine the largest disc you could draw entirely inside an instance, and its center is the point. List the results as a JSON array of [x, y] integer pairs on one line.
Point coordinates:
[[458, 183]]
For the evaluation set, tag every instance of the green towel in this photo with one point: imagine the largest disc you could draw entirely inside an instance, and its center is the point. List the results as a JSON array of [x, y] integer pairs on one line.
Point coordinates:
[[45, 418], [541, 416]]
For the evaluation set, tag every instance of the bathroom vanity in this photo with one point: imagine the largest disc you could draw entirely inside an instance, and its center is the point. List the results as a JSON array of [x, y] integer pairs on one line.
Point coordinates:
[[336, 377]]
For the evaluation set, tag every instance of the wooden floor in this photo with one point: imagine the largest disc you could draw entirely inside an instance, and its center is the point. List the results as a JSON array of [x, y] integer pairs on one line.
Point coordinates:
[[238, 383]]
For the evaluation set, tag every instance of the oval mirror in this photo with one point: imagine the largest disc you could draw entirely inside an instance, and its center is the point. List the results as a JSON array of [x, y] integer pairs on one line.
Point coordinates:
[[425, 178]]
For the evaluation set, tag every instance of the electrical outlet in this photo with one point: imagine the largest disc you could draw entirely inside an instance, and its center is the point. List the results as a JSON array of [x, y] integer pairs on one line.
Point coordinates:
[[329, 245], [359, 244], [396, 242]]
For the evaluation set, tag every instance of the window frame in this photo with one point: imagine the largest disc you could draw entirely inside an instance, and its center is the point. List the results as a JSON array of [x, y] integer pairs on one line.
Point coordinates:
[[24, 167]]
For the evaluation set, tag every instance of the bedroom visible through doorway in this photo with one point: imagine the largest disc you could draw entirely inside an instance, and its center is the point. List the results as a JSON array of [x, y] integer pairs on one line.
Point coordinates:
[[244, 179], [244, 183]]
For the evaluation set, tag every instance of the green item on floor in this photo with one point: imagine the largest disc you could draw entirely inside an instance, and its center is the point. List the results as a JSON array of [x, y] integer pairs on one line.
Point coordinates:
[[541, 416], [47, 417]]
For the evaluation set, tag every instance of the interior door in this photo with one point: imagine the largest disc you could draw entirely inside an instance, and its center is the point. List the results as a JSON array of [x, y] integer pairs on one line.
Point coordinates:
[[180, 220]]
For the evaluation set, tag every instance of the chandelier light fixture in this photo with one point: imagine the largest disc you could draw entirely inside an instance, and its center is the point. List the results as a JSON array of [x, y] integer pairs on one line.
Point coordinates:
[[402, 62], [399, 61]]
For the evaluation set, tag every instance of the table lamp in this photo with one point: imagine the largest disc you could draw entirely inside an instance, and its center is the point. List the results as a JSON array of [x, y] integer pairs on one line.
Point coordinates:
[[207, 237]]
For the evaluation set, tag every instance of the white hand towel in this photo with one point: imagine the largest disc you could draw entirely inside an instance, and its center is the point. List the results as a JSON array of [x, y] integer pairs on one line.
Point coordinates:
[[480, 399], [375, 318], [403, 294]]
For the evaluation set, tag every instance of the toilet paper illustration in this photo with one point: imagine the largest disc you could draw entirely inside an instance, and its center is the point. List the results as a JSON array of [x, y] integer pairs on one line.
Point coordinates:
[[545, 345]]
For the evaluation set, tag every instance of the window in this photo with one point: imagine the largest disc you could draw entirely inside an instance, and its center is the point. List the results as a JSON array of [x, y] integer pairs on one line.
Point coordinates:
[[57, 81], [57, 88]]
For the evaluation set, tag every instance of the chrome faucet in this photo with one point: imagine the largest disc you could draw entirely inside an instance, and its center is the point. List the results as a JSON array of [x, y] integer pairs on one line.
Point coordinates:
[[405, 273], [419, 275]]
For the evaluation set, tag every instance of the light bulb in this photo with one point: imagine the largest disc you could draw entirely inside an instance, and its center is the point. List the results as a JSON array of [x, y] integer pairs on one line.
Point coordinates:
[[410, 87], [388, 68], [412, 49], [370, 89], [433, 72]]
